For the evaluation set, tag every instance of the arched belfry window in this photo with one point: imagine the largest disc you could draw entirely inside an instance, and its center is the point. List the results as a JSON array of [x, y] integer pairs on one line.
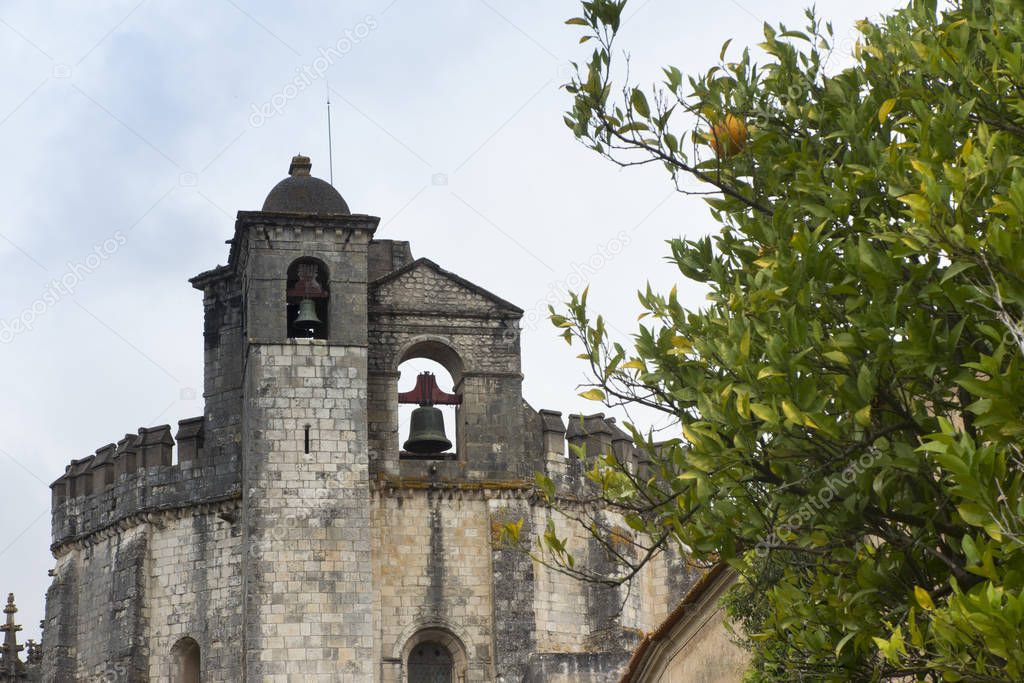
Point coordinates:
[[185, 664], [430, 662], [307, 299], [428, 411]]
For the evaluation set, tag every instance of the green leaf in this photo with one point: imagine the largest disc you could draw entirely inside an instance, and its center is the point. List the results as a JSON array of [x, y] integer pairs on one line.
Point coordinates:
[[883, 111], [973, 514], [764, 412], [639, 102], [970, 550], [916, 202], [865, 383], [863, 416], [592, 395], [843, 641], [791, 412], [955, 270], [725, 46], [837, 357], [923, 599]]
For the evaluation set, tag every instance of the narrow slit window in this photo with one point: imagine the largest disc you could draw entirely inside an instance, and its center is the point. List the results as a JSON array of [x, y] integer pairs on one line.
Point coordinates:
[[307, 438]]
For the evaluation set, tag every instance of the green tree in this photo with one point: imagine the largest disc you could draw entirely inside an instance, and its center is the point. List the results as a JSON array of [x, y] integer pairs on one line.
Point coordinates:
[[850, 401]]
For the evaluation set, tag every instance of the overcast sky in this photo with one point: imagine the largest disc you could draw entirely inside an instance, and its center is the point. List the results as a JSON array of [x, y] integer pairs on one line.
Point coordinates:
[[133, 131]]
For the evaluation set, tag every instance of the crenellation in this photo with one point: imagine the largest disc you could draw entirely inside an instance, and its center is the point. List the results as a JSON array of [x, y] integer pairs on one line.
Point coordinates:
[[552, 432], [103, 468], [622, 445], [126, 456], [189, 440], [79, 477], [138, 475], [590, 432], [155, 446]]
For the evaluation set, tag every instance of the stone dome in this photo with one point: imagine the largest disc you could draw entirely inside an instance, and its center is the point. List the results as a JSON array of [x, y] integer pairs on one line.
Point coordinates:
[[302, 193]]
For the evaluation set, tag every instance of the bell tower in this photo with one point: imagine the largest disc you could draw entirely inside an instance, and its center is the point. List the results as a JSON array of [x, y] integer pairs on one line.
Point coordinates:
[[298, 531], [301, 263]]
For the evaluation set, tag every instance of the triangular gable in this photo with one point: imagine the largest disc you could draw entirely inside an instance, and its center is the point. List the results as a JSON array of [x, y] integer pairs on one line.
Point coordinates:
[[424, 285]]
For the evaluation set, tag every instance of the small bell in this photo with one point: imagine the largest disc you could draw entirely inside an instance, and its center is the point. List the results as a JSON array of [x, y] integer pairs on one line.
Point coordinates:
[[307, 320], [426, 431]]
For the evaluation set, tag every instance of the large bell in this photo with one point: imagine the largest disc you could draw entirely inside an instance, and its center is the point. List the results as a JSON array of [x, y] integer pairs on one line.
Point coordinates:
[[307, 320], [426, 431]]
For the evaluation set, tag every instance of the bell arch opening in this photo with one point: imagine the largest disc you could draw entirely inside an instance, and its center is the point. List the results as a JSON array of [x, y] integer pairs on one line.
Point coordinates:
[[306, 299], [426, 432], [437, 351], [185, 661]]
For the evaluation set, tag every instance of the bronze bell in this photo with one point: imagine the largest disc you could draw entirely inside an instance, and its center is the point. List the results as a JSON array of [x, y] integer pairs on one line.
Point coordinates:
[[426, 431], [307, 320]]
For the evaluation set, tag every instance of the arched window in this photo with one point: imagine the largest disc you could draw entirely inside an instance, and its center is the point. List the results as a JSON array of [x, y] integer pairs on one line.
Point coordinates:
[[409, 380], [436, 356], [430, 662], [185, 664], [307, 299]]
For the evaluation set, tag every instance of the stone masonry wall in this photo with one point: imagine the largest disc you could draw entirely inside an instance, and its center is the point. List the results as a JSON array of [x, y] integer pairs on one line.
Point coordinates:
[[121, 602], [195, 590], [95, 605], [433, 571], [440, 565], [308, 579]]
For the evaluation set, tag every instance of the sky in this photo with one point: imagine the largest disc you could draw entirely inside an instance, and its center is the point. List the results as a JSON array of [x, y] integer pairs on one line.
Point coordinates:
[[132, 132]]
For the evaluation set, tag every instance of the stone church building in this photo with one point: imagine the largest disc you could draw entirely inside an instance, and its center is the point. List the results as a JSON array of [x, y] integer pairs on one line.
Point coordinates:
[[292, 533]]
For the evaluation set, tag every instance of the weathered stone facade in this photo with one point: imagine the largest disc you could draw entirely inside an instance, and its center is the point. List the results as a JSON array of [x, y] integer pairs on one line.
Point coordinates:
[[284, 535], [696, 642]]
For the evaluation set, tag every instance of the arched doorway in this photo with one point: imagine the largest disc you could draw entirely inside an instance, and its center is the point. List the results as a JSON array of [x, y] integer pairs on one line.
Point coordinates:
[[430, 662], [185, 664], [432, 654]]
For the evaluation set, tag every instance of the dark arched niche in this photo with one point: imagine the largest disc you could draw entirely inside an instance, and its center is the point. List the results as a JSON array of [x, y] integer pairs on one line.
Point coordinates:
[[185, 661], [308, 278], [431, 654]]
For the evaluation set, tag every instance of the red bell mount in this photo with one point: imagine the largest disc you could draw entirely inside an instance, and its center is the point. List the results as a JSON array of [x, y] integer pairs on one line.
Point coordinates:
[[307, 286], [427, 393]]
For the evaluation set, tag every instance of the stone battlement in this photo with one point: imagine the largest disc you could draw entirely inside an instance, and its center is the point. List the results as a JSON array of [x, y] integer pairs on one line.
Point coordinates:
[[139, 474], [592, 434], [596, 432]]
